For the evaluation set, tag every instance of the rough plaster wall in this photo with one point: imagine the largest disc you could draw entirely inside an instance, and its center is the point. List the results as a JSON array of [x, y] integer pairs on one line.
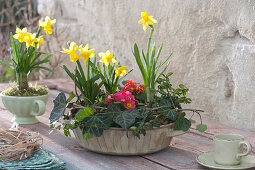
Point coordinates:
[[212, 43]]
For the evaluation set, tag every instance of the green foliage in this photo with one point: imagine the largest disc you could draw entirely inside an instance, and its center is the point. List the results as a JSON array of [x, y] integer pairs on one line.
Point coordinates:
[[59, 108], [150, 70], [201, 128], [126, 118], [95, 124], [182, 123], [107, 75], [25, 60], [159, 104], [177, 96], [70, 98], [167, 109], [87, 111], [113, 109], [87, 85]]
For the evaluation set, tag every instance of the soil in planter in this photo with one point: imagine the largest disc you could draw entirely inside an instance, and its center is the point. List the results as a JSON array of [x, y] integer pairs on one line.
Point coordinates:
[[33, 90]]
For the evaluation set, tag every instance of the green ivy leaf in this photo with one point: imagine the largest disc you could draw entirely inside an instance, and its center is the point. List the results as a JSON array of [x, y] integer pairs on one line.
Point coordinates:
[[143, 113], [113, 109], [165, 102], [182, 123], [59, 107], [126, 118], [201, 128], [166, 110], [87, 111], [96, 123]]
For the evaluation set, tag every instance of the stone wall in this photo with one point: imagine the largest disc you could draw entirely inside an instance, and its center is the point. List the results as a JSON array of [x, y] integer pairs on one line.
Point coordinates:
[[212, 43]]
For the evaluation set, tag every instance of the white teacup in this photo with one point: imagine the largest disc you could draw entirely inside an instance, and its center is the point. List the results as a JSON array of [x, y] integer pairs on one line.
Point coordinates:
[[228, 149]]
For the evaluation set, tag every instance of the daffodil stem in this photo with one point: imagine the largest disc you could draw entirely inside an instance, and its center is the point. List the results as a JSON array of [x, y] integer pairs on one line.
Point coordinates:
[[147, 84], [38, 32], [149, 44], [22, 80], [88, 70]]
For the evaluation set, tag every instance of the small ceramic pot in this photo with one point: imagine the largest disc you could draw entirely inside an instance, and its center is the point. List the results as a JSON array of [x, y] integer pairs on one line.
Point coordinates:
[[117, 141], [25, 108]]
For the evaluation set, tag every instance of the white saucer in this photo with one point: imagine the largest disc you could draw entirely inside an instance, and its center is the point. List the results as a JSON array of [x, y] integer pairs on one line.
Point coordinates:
[[206, 159]]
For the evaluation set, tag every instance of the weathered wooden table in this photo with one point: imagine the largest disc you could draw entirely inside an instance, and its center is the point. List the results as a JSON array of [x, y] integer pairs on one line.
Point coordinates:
[[181, 154]]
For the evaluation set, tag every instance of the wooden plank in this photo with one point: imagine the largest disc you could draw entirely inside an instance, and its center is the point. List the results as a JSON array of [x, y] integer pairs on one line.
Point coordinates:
[[175, 158]]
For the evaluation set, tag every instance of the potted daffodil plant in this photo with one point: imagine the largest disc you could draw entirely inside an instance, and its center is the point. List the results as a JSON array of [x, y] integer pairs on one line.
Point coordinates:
[[25, 100], [110, 114]]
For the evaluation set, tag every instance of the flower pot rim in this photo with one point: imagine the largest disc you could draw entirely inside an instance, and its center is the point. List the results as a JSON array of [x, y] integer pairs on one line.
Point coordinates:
[[1, 94], [154, 128]]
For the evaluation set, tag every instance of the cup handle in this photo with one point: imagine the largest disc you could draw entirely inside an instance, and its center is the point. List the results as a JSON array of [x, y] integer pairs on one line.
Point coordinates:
[[41, 108], [239, 155]]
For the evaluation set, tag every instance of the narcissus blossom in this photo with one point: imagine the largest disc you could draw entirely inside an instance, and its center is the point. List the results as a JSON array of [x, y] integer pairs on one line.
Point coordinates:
[[30, 39], [72, 51], [46, 24], [120, 71], [107, 57], [20, 34], [40, 40], [86, 53], [146, 20]]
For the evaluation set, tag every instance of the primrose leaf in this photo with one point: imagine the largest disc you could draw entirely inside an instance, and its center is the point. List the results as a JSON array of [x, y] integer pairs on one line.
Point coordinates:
[[182, 123], [87, 111], [96, 123], [126, 118], [59, 108], [201, 128]]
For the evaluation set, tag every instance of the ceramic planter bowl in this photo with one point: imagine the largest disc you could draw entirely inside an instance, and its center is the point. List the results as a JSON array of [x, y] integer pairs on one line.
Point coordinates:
[[25, 108], [115, 141]]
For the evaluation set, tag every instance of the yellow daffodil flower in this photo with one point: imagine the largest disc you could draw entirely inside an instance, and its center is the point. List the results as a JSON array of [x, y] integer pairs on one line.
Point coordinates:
[[120, 71], [40, 40], [72, 51], [107, 57], [20, 34], [146, 20], [86, 52], [46, 24], [30, 39]]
